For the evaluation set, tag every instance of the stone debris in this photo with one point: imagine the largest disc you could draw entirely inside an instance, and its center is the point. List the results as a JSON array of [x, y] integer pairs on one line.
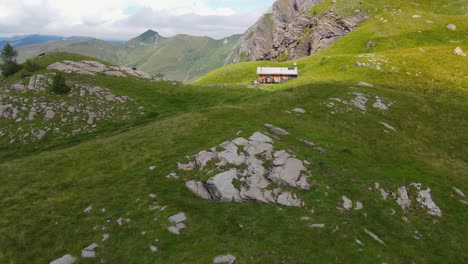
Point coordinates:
[[417, 16], [451, 27], [388, 126], [317, 225], [360, 101], [105, 237], [358, 206], [186, 167], [299, 110], [458, 51], [347, 204], [459, 192], [152, 168], [88, 209], [172, 175], [224, 259], [88, 252], [277, 130], [359, 242], [425, 199], [365, 84], [179, 221], [57, 116], [252, 166], [374, 236], [178, 218], [153, 248], [403, 199], [67, 259]]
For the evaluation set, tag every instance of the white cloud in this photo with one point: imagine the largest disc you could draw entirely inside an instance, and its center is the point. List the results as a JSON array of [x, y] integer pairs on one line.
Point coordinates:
[[122, 19]]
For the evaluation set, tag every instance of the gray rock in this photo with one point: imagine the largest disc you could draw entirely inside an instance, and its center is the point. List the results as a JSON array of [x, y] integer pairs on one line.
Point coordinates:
[[299, 110], [198, 188], [451, 27], [459, 192], [88, 254], [49, 115], [287, 199], [347, 203], [67, 259], [221, 186], [18, 87], [153, 248], [71, 109], [228, 259], [289, 173], [105, 237], [365, 84], [279, 131], [403, 200], [91, 118], [178, 218], [91, 247], [260, 137], [374, 236], [186, 167], [388, 126], [203, 158], [458, 51], [317, 226], [425, 199]]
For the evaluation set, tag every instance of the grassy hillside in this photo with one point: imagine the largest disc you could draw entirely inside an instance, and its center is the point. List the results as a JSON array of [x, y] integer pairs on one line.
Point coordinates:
[[182, 57], [45, 187]]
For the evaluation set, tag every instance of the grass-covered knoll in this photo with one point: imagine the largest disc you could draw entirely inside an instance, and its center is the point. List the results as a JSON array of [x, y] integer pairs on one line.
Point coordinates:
[[159, 100], [404, 49]]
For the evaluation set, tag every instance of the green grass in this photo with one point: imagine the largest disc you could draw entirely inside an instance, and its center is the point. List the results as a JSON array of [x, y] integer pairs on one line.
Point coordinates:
[[44, 189]]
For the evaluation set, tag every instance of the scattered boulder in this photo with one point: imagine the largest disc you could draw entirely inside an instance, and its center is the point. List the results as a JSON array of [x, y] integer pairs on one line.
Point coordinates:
[[186, 167], [224, 259], [88, 252], [204, 157], [88, 209], [178, 218], [451, 27], [374, 236], [153, 248], [365, 84], [317, 226], [458, 51], [299, 110], [388, 126], [67, 259], [277, 130], [347, 204], [459, 192], [403, 198]]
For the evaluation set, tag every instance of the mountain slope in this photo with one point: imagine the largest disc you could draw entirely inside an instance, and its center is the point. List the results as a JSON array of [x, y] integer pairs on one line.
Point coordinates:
[[181, 57], [377, 131]]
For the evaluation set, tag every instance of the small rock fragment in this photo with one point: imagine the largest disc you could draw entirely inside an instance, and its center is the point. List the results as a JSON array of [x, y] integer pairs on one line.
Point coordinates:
[[458, 191], [153, 248], [374, 236], [178, 218], [299, 110], [347, 203], [88, 209], [451, 27], [67, 259], [317, 225], [229, 259]]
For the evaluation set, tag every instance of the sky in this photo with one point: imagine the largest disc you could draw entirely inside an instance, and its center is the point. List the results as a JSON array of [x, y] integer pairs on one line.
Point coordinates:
[[124, 19]]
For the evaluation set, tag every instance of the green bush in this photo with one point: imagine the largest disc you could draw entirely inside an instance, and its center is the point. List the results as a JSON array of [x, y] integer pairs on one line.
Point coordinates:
[[8, 58], [9, 68], [59, 85], [31, 66]]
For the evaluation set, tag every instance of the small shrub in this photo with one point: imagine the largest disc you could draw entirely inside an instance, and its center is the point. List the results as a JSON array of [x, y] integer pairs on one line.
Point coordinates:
[[25, 74], [59, 85], [9, 68], [31, 66]]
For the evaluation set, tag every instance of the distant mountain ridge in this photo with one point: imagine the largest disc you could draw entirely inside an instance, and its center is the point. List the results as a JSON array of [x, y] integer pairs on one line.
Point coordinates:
[[25, 40], [181, 57]]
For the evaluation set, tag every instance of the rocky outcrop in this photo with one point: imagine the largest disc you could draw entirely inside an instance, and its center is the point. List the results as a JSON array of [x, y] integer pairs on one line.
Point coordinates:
[[290, 32], [249, 170], [93, 67]]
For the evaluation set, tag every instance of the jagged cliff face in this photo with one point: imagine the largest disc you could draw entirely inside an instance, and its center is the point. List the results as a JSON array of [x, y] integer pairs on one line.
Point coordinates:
[[290, 32]]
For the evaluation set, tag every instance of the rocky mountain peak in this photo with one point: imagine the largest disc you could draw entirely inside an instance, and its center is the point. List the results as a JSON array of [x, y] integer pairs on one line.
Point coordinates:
[[148, 36], [290, 31]]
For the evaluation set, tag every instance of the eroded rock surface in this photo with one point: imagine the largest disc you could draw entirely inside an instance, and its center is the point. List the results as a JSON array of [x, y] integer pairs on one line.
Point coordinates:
[[248, 170]]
